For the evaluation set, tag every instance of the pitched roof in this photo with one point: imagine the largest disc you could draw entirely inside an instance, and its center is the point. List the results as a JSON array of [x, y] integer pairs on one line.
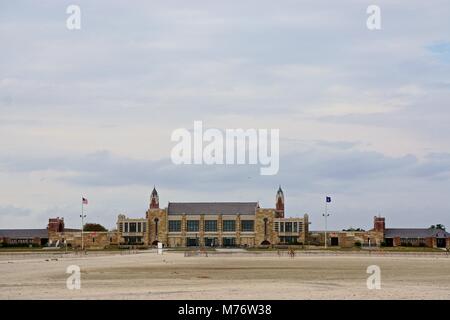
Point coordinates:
[[230, 208], [23, 233], [415, 233]]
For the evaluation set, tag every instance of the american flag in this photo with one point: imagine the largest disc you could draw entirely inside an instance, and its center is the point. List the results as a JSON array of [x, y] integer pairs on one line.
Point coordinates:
[[84, 200]]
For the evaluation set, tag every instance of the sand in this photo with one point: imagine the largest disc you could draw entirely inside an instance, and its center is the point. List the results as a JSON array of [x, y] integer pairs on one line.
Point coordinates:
[[147, 275]]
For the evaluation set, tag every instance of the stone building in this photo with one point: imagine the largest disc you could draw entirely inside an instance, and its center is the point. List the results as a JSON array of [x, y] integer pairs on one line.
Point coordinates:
[[382, 236], [213, 224], [60, 236], [413, 237]]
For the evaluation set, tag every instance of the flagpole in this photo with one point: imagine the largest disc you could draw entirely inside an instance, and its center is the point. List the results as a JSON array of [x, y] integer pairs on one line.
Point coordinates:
[[326, 216], [82, 224]]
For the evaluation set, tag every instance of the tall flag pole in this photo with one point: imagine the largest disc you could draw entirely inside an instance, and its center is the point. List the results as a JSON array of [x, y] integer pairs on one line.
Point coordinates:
[[83, 202], [326, 215]]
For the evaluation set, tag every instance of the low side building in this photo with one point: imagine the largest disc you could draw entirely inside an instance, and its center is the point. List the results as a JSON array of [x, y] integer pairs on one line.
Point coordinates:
[[132, 231], [23, 237], [62, 236]]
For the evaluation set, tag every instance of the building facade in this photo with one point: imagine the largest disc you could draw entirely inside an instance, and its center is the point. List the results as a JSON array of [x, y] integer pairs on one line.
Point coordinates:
[[213, 224]]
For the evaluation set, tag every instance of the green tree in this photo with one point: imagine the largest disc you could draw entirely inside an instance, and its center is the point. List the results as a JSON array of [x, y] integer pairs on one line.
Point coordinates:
[[94, 227]]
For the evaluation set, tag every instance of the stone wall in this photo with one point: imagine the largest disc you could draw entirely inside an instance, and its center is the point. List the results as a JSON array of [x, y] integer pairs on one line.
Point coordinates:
[[92, 240], [157, 217]]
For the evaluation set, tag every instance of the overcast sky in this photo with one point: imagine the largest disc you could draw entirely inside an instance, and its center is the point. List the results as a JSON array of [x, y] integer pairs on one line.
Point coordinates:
[[364, 116]]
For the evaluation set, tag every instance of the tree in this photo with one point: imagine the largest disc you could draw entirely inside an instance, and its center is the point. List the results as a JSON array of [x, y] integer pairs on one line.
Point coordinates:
[[353, 229], [94, 227], [438, 226]]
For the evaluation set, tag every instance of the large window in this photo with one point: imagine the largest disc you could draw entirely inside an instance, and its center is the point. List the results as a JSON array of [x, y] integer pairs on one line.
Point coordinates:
[[210, 225], [247, 225], [132, 226], [229, 242], [288, 227], [126, 226], [288, 240], [211, 242], [229, 225], [192, 225], [174, 225]]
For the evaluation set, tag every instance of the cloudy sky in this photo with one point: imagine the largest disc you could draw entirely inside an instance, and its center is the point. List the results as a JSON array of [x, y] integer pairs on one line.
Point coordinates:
[[364, 116]]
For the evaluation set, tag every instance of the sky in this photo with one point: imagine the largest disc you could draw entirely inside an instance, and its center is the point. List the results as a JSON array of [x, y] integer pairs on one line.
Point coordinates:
[[363, 114]]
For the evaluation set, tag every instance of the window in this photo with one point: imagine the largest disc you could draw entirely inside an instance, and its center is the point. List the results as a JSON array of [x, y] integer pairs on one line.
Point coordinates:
[[132, 226], [288, 227], [121, 227], [247, 225], [126, 226], [144, 227], [281, 226], [229, 242], [210, 225], [192, 225], [277, 226], [174, 225], [211, 242], [229, 225], [139, 226]]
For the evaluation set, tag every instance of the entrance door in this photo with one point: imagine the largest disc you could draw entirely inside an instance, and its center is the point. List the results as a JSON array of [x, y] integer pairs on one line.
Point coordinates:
[[334, 241], [389, 242], [192, 242], [440, 242]]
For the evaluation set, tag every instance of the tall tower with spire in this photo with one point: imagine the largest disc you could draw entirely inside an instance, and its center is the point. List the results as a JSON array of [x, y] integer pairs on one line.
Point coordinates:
[[279, 201], [154, 199]]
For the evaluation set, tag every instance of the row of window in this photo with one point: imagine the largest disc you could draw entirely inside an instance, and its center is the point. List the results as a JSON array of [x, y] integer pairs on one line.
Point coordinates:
[[288, 226], [211, 242], [211, 225], [132, 226]]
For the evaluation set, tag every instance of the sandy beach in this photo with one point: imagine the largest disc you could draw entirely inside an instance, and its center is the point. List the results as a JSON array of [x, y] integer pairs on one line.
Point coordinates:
[[147, 275]]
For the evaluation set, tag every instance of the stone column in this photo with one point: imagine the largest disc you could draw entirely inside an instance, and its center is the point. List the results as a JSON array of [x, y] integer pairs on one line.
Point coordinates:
[[238, 230], [201, 231], [183, 230], [220, 229]]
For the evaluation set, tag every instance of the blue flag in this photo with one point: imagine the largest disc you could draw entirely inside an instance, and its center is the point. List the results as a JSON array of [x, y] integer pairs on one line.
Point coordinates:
[[328, 199]]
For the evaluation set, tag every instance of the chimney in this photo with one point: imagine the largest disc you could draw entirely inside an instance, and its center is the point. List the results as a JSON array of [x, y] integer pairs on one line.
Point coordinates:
[[378, 224]]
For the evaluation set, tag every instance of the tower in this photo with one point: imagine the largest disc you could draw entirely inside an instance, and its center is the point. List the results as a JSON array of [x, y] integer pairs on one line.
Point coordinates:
[[279, 201], [154, 199], [379, 224], [55, 224]]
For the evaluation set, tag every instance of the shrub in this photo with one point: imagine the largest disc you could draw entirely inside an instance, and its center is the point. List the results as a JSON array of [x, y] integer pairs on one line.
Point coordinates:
[[94, 227]]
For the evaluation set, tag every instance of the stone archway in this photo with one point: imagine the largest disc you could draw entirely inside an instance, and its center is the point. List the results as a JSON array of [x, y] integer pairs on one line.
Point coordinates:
[[265, 243]]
